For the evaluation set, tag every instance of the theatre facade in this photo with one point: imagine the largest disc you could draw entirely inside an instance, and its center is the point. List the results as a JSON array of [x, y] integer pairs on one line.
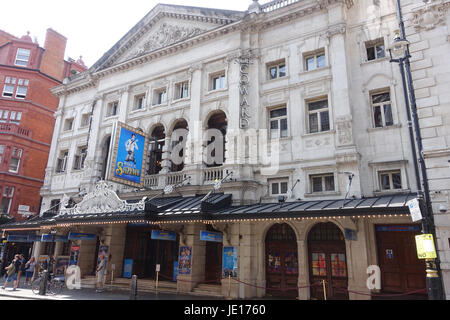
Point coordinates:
[[295, 168]]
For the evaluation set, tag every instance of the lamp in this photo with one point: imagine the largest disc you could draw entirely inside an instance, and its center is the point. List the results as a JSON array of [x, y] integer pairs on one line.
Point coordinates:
[[398, 48]]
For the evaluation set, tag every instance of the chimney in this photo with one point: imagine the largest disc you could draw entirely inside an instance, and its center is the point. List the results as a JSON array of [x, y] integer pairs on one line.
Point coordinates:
[[53, 58]]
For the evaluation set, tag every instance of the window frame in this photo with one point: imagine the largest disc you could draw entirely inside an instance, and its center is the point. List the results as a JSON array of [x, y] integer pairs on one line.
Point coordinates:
[[381, 105], [157, 96], [71, 121], [278, 182], [276, 65], [79, 158], [375, 44], [315, 55], [15, 157], [62, 158], [182, 88], [391, 180], [323, 177], [278, 120], [136, 103], [9, 195], [319, 115], [222, 77], [17, 58], [112, 105]]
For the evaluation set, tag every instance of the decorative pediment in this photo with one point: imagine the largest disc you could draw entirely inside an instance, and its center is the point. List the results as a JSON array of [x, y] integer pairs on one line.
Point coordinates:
[[165, 36], [103, 200]]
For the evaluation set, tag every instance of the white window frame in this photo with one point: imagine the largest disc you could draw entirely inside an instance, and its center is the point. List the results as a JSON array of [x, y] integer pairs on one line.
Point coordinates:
[[2, 151], [182, 88], [79, 158], [113, 105], [17, 157], [63, 157], [23, 60], [85, 120], [381, 105], [7, 193], [375, 44], [391, 181], [66, 122], [158, 95], [276, 65], [319, 115], [8, 94], [323, 177], [278, 120], [314, 55], [221, 75], [139, 102], [278, 181]]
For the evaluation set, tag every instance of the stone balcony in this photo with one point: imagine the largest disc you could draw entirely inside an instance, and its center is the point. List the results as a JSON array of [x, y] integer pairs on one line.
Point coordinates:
[[14, 129]]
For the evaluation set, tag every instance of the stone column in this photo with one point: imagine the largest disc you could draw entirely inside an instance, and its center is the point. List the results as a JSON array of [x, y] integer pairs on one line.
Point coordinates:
[[186, 283], [247, 255], [166, 163], [115, 238], [123, 104]]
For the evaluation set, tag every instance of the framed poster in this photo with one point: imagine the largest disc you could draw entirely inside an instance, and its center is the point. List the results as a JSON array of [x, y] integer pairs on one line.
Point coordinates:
[[61, 265], [229, 262], [184, 261], [74, 253], [127, 268], [129, 146]]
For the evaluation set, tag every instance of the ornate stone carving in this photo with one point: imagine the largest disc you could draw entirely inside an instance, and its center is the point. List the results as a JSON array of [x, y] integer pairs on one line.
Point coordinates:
[[165, 36], [103, 200], [344, 130], [430, 16]]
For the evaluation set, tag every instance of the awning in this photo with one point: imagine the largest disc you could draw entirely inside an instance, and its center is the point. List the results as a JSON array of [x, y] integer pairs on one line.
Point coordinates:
[[217, 207]]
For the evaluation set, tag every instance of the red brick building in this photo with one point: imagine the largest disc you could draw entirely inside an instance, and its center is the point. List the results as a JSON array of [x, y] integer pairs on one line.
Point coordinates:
[[27, 73]]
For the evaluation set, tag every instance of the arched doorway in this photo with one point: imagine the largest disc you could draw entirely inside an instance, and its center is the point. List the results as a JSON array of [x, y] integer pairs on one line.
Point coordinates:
[[213, 260], [155, 150], [281, 261], [327, 262], [217, 121], [179, 137]]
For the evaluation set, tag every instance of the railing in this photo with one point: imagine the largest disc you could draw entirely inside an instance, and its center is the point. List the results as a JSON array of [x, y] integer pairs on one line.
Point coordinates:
[[174, 178], [212, 174], [151, 181], [11, 128], [277, 4]]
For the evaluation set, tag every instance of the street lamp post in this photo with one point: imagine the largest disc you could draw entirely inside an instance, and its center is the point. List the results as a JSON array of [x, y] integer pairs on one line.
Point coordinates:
[[399, 52]]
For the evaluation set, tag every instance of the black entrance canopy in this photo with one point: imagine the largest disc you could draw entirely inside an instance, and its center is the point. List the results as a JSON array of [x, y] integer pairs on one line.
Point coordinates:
[[219, 207]]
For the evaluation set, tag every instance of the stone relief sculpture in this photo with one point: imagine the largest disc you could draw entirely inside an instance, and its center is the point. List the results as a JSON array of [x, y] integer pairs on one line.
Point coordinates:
[[165, 36], [430, 16]]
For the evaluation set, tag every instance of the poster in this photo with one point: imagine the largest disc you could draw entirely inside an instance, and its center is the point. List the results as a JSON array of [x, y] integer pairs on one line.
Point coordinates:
[[211, 236], [61, 265], [127, 268], [74, 253], [127, 162], [229, 262], [164, 235], [425, 246], [184, 261]]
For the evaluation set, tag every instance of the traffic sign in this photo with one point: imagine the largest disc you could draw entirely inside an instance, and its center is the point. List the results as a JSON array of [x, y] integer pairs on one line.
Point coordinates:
[[414, 210]]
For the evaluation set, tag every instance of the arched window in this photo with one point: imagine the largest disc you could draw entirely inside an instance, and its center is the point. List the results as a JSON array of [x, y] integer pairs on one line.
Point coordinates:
[[181, 124], [157, 139], [217, 121]]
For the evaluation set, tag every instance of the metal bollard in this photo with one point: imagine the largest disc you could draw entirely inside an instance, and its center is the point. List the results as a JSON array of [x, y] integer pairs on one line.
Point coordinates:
[[43, 283], [133, 288]]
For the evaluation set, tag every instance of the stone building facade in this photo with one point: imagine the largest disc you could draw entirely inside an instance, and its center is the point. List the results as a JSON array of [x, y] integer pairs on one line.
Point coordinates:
[[313, 116]]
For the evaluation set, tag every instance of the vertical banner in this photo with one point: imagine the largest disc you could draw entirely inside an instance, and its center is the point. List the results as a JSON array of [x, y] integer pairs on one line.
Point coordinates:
[[127, 268], [184, 261], [229, 264], [103, 251], [74, 253], [127, 165]]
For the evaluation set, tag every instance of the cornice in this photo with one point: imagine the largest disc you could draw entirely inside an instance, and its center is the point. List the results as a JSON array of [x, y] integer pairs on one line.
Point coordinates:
[[260, 22]]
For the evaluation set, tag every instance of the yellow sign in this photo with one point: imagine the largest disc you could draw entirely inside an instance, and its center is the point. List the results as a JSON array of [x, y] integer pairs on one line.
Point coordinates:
[[425, 246]]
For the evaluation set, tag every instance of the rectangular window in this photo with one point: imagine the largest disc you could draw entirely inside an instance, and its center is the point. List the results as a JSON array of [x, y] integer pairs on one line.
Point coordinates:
[[218, 81], [8, 193], [182, 90], [139, 102], [15, 160], [315, 61], [322, 183], [85, 120], [61, 162], [112, 109], [382, 110], [22, 57], [2, 151], [68, 124], [276, 70], [21, 92], [375, 49], [390, 180], [278, 123], [8, 90], [79, 158], [54, 206], [160, 96], [278, 187], [318, 116]]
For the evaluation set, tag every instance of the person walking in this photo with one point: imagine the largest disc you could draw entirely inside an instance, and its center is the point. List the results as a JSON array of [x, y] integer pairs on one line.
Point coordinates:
[[11, 272], [100, 272], [30, 267], [21, 268]]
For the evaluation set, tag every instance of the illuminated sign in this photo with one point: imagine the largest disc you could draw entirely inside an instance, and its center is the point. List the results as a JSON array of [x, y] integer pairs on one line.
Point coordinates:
[[129, 146], [211, 236]]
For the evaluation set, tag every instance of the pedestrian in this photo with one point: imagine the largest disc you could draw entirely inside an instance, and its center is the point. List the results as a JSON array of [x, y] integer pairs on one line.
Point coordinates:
[[11, 272], [30, 267], [50, 265], [100, 272], [21, 268]]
